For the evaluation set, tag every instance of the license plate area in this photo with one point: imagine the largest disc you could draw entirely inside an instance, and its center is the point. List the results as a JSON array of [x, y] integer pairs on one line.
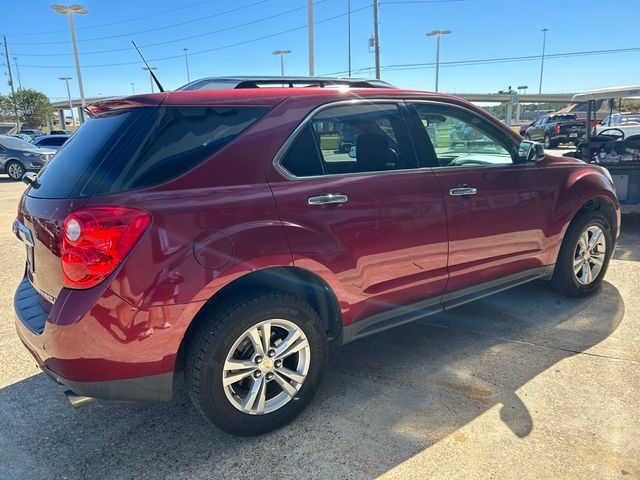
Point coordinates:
[[573, 135]]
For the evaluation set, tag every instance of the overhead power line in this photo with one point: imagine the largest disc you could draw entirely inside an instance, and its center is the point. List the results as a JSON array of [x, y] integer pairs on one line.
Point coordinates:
[[117, 22], [214, 49], [181, 39], [489, 61], [139, 32]]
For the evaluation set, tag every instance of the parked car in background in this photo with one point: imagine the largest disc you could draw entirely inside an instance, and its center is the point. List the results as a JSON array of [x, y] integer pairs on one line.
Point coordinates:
[[206, 234], [627, 123], [23, 136], [54, 142], [59, 132], [17, 157], [553, 130], [33, 133]]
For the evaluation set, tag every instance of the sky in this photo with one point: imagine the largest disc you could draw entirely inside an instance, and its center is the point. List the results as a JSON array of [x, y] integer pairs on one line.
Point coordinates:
[[238, 37]]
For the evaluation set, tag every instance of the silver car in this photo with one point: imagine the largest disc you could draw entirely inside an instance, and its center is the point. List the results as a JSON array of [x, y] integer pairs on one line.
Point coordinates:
[[18, 157]]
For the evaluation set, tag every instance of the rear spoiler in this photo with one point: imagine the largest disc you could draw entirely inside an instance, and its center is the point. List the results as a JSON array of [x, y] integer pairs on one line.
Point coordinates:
[[122, 103]]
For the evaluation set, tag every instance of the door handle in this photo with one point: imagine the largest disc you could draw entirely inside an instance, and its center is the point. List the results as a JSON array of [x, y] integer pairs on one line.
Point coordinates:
[[329, 199], [463, 191]]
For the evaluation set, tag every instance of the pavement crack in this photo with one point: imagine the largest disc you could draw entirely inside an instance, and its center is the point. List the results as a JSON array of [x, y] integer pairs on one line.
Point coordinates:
[[533, 344]]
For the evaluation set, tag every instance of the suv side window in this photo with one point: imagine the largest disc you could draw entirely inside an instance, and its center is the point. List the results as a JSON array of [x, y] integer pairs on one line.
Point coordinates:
[[462, 139], [352, 139]]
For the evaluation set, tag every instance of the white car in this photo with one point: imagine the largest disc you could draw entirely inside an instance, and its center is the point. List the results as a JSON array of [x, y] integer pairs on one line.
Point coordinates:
[[628, 123]]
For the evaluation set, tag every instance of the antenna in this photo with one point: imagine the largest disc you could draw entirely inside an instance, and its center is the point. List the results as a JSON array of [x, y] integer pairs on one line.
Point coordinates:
[[153, 75]]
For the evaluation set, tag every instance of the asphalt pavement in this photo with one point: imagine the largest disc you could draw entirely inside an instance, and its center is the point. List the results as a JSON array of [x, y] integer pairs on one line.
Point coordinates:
[[522, 385]]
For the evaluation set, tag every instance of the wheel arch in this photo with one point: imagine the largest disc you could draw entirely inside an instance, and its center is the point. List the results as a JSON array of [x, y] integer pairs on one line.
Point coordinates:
[[13, 159], [285, 279]]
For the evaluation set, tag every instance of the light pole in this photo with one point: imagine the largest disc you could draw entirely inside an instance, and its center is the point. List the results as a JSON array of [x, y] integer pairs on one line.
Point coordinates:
[[15, 62], [376, 38], [69, 10], [438, 34], [311, 47], [544, 46], [186, 61], [150, 69], [349, 33], [133, 90], [282, 53], [73, 117]]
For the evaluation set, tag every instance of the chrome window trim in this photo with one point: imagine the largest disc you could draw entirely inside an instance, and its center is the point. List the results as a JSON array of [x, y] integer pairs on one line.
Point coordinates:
[[292, 138], [282, 151]]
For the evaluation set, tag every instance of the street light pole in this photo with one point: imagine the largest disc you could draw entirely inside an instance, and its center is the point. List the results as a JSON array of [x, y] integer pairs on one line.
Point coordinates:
[[13, 92], [282, 53], [73, 117], [69, 11], [150, 69], [349, 33], [544, 45], [186, 61], [133, 90], [311, 46], [438, 34]]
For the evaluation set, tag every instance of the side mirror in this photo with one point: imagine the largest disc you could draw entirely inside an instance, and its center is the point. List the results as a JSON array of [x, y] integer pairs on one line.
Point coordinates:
[[352, 152], [530, 151]]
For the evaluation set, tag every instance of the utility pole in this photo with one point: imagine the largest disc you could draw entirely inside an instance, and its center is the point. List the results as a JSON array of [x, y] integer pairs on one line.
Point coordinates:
[[186, 61], [376, 37], [15, 62], [349, 33], [133, 90], [311, 48], [13, 92], [544, 45], [70, 11]]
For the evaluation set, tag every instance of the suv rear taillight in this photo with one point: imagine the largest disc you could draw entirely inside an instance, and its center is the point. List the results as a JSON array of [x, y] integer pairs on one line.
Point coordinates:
[[557, 129], [96, 239]]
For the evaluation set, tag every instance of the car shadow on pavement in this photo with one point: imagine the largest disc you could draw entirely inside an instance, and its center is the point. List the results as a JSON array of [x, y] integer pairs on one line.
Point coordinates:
[[383, 400]]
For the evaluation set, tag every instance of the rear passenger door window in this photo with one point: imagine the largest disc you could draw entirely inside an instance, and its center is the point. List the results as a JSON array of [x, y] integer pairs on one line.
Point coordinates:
[[352, 138]]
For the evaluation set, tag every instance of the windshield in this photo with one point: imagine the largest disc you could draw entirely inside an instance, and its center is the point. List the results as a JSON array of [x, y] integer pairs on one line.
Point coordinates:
[[13, 143]]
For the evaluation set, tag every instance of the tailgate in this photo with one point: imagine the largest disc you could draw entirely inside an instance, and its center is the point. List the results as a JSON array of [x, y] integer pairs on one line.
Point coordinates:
[[39, 226], [578, 128]]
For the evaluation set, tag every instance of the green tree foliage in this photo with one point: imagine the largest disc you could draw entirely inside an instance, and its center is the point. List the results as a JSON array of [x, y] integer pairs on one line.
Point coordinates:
[[33, 107]]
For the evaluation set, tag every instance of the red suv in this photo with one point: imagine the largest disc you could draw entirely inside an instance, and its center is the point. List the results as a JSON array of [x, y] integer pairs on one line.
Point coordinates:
[[221, 235]]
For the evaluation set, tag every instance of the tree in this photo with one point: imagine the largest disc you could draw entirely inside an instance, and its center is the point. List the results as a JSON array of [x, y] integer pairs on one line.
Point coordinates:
[[33, 107]]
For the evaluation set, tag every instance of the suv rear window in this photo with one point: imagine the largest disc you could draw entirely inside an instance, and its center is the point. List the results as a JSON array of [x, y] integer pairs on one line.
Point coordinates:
[[141, 147]]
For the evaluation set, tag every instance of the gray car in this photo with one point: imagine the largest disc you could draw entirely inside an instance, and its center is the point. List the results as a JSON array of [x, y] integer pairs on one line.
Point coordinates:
[[54, 142], [17, 157]]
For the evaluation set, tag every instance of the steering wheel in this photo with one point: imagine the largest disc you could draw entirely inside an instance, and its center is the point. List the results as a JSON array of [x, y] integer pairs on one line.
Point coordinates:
[[613, 133]]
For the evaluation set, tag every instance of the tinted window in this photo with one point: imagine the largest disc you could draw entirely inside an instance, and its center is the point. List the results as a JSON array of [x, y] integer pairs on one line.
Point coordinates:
[[174, 141], [461, 139], [352, 139], [82, 154], [13, 143], [303, 159], [56, 141]]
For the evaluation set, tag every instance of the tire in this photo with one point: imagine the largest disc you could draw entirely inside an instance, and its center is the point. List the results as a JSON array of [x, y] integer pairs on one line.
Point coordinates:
[[527, 137], [565, 279], [223, 337], [15, 170], [548, 143]]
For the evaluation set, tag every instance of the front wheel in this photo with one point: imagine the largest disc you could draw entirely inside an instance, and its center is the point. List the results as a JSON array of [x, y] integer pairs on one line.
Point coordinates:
[[15, 170], [584, 256], [254, 365]]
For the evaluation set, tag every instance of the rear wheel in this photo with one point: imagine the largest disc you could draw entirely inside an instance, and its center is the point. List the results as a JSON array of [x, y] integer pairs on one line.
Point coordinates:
[[548, 143], [15, 170], [584, 256], [255, 364]]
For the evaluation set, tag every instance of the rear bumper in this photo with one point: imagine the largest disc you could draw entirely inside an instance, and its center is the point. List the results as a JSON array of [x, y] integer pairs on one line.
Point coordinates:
[[99, 346]]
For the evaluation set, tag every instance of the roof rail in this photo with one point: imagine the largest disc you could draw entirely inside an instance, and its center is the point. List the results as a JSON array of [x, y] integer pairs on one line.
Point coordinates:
[[227, 83]]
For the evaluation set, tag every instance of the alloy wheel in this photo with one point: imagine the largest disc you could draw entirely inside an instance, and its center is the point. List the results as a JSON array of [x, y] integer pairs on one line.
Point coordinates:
[[266, 367], [589, 255], [15, 171]]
